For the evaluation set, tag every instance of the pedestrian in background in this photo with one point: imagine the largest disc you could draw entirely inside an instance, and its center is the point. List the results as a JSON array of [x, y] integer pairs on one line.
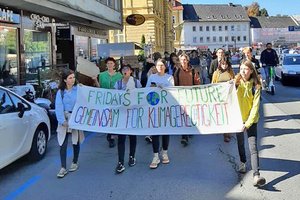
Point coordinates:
[[107, 80], [223, 73], [160, 79], [186, 75], [248, 93], [268, 59], [127, 82], [215, 63], [64, 103]]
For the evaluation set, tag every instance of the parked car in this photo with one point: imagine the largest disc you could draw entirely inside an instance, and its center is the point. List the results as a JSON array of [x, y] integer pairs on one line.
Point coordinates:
[[289, 68], [24, 128]]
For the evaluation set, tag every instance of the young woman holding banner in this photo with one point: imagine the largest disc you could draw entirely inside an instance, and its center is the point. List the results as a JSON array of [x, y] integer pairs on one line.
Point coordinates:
[[64, 103], [223, 73], [127, 82], [160, 79], [248, 93]]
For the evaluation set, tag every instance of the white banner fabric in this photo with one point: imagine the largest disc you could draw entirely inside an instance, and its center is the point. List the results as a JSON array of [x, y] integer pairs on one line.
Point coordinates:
[[204, 109]]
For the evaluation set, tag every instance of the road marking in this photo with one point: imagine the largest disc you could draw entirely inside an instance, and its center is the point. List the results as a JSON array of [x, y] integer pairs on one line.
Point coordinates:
[[35, 179], [23, 187]]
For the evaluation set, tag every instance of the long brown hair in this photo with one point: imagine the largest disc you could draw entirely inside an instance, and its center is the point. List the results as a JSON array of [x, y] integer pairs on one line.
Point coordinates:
[[226, 62], [63, 76], [254, 75]]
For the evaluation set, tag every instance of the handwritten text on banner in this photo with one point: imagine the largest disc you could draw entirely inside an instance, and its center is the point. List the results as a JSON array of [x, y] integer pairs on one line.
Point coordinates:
[[207, 109]]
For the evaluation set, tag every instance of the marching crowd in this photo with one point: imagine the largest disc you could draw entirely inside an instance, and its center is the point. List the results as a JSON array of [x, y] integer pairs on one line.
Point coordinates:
[[176, 69]]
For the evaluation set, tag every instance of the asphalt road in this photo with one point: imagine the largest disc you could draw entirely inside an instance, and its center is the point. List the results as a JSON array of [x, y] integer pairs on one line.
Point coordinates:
[[206, 169]]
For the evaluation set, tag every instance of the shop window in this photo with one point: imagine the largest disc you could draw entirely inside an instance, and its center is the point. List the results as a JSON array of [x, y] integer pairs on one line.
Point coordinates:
[[81, 46], [8, 56], [37, 46], [94, 48]]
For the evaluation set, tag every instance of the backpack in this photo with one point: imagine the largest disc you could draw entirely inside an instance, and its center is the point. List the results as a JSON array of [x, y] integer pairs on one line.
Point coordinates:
[[120, 83], [193, 75]]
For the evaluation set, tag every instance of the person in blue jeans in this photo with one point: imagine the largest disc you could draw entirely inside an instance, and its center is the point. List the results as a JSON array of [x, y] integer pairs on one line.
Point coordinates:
[[268, 58]]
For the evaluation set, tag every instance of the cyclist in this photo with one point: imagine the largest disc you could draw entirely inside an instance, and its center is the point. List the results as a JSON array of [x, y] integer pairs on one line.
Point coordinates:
[[268, 58]]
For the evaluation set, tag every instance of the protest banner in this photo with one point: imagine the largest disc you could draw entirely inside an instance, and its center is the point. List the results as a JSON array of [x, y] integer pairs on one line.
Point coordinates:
[[204, 109]]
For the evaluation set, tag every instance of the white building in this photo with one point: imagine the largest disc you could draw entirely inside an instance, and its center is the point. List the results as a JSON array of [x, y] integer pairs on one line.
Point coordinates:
[[215, 26], [274, 30]]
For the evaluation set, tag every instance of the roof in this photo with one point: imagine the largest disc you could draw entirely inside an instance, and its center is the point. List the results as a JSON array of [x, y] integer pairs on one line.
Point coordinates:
[[177, 6], [214, 12], [297, 18], [271, 22]]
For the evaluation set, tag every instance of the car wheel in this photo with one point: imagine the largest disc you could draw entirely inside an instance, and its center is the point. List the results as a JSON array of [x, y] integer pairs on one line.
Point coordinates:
[[39, 144], [283, 79]]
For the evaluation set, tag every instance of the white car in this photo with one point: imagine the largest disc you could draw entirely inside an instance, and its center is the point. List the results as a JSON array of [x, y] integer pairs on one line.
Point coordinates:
[[289, 68], [24, 128]]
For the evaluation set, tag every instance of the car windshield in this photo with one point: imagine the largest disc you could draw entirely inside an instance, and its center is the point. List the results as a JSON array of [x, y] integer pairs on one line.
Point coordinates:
[[292, 60]]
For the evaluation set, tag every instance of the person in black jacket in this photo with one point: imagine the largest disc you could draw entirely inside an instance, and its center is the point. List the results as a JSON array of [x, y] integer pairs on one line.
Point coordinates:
[[268, 58], [247, 51], [215, 63]]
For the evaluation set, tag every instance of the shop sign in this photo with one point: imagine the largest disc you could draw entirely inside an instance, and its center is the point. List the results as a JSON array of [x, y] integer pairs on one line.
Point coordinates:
[[63, 33], [294, 28], [91, 31], [9, 16], [39, 21], [135, 19]]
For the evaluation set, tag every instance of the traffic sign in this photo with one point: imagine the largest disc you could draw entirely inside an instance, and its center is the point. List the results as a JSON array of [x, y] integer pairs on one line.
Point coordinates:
[[294, 28]]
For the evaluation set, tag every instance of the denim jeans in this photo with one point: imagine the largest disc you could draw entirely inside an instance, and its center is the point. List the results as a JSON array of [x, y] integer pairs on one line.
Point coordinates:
[[252, 140], [267, 74]]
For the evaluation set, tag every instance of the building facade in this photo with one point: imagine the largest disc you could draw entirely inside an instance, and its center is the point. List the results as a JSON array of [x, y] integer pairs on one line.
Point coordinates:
[[157, 28], [35, 35], [215, 26], [177, 19], [274, 30]]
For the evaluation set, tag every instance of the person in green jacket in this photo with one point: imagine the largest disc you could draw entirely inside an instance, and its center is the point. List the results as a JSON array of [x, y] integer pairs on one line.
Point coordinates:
[[108, 79], [248, 93]]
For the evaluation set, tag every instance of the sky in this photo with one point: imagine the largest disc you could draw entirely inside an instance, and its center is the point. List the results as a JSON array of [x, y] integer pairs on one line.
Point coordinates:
[[274, 7]]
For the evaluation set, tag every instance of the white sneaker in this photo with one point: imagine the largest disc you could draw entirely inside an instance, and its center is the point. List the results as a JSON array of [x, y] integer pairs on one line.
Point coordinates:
[[165, 157], [155, 162], [73, 167], [62, 172], [258, 181], [242, 168]]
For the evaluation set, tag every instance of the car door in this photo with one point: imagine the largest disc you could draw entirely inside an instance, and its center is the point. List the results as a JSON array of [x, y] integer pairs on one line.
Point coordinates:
[[13, 129]]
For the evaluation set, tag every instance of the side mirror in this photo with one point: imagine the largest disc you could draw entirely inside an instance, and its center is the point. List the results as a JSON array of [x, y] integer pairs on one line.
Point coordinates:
[[21, 109]]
